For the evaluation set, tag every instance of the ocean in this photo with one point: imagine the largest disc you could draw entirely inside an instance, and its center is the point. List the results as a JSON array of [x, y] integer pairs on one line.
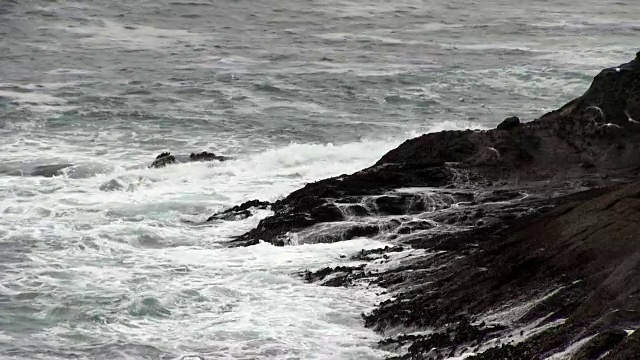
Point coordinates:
[[110, 259]]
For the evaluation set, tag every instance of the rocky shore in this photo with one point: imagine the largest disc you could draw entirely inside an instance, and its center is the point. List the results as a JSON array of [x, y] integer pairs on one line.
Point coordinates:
[[521, 242]]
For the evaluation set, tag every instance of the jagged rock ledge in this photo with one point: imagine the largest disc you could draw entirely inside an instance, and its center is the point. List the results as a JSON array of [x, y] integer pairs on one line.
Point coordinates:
[[513, 243]]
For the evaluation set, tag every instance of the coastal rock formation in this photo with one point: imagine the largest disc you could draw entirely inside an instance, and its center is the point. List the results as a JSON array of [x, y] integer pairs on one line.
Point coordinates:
[[569, 147], [575, 266], [166, 158], [513, 243]]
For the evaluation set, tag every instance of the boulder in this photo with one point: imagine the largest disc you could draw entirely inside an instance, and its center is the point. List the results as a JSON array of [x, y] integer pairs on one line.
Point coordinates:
[[509, 123], [163, 160], [166, 158], [206, 156]]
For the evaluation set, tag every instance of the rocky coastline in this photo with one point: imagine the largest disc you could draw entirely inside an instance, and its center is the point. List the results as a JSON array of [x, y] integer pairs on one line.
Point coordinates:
[[521, 242]]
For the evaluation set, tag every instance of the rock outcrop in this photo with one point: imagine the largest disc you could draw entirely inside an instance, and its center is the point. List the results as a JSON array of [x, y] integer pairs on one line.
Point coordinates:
[[583, 143], [166, 158], [528, 233], [577, 265], [509, 123]]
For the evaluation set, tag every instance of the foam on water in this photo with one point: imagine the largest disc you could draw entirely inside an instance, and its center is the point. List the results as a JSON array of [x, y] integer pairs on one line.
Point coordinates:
[[109, 33], [221, 303], [107, 259], [115, 265], [35, 101]]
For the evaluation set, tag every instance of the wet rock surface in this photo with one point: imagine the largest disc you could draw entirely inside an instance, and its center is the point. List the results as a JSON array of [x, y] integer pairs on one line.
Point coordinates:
[[239, 212], [163, 160], [582, 144], [516, 244], [167, 158], [509, 123], [601, 344]]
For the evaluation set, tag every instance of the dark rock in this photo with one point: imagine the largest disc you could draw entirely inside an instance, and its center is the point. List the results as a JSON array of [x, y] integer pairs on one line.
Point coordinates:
[[360, 230], [163, 160], [358, 210], [509, 123], [326, 213], [206, 156], [612, 89], [529, 234], [629, 348], [559, 305], [500, 195], [369, 255], [505, 352], [166, 158], [556, 146], [443, 342], [415, 225], [601, 344], [353, 231], [589, 235], [391, 205], [346, 274], [239, 212]]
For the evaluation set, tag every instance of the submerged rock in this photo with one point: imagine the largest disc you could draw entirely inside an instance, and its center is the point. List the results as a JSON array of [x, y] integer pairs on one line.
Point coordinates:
[[49, 170]]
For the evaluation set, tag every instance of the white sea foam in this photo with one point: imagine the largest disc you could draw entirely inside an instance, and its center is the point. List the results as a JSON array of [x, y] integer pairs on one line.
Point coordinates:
[[114, 229], [31, 97], [107, 32], [173, 279]]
